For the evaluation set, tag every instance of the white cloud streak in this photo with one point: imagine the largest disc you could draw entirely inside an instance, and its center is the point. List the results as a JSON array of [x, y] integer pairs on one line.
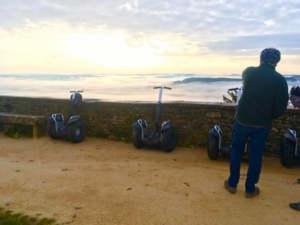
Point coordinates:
[[172, 27]]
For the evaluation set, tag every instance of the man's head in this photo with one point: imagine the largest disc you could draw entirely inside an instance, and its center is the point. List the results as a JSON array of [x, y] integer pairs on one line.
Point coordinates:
[[270, 56]]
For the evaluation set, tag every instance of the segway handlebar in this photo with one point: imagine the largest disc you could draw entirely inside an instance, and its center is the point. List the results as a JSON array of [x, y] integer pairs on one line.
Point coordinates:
[[161, 91], [233, 89], [75, 91], [239, 93], [163, 88]]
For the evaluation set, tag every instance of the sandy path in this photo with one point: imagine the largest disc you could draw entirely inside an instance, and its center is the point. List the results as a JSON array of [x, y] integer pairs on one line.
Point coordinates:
[[106, 182]]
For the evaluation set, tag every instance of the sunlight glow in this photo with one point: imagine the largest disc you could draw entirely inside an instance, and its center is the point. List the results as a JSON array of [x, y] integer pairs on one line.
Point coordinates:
[[108, 50]]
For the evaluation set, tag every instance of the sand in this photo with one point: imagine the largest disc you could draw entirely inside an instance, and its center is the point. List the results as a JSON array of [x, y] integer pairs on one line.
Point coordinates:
[[101, 181]]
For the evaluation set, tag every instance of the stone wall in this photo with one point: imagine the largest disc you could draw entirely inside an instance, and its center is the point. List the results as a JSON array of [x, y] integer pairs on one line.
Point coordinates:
[[114, 120]]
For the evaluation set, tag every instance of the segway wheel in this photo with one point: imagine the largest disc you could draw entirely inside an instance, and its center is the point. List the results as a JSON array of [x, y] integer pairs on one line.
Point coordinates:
[[137, 138], [287, 152], [50, 129], [76, 132], [213, 147], [169, 139]]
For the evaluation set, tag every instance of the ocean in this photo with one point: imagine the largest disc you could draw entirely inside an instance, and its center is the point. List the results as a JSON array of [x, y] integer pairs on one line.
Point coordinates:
[[125, 88]]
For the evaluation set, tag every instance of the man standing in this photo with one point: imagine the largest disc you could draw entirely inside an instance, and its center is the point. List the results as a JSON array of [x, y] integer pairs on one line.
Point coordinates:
[[264, 99]]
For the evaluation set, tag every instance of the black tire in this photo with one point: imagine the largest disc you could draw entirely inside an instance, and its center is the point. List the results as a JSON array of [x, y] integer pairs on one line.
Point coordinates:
[[137, 138], [50, 129], [169, 139], [76, 132], [287, 152], [213, 147]]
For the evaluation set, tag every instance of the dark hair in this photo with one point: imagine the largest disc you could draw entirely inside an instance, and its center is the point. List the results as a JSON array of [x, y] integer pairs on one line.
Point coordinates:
[[270, 56]]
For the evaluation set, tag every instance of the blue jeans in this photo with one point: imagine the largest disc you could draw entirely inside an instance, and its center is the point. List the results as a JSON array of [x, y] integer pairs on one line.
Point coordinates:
[[258, 137]]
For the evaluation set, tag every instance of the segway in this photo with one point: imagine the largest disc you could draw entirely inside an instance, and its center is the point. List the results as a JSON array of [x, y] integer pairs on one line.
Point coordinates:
[[74, 130], [164, 135], [289, 150], [215, 144]]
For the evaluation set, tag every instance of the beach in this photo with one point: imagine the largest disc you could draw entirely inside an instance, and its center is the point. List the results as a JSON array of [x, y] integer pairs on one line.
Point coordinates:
[[101, 181]]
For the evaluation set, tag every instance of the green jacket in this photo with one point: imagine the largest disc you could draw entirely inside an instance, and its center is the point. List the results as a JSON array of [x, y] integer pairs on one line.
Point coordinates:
[[265, 96]]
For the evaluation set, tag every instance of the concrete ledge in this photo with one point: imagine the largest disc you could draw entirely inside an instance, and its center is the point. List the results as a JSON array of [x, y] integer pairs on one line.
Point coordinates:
[[37, 122], [114, 120]]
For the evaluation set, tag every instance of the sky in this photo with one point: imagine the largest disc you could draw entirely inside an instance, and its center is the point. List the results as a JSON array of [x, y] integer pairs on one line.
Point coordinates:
[[146, 36]]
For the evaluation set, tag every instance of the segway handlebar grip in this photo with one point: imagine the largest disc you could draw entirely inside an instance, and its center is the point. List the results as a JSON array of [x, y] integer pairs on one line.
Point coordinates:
[[75, 91], [233, 89], [163, 87]]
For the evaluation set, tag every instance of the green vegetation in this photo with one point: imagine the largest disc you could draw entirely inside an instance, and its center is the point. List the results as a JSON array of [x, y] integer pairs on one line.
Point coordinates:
[[17, 130], [122, 136], [100, 134], [232, 98], [8, 218], [115, 136]]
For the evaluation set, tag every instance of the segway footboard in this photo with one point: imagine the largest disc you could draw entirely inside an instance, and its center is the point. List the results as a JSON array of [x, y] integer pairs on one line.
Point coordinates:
[[74, 119]]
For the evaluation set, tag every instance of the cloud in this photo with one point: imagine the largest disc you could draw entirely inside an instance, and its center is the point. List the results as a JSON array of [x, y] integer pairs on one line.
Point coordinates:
[[171, 28], [215, 16], [249, 45]]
